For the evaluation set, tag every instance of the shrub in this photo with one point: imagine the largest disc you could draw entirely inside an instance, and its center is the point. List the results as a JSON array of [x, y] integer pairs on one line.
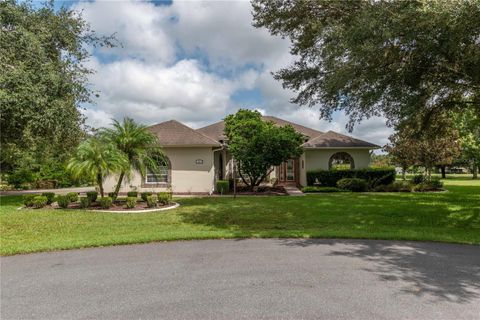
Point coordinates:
[[28, 199], [418, 178], [436, 183], [223, 186], [39, 202], [20, 177], [164, 197], [131, 202], [352, 184], [73, 196], [106, 202], [85, 202], [92, 195], [113, 195], [152, 201], [63, 201], [144, 195], [433, 184], [50, 196], [329, 178], [133, 194], [397, 186], [311, 189]]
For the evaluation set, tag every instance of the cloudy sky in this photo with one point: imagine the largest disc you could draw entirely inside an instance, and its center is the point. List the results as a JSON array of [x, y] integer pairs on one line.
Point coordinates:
[[194, 62]]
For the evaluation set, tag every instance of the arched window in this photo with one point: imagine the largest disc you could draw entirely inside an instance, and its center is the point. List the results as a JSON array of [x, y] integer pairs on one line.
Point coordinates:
[[341, 161], [161, 177]]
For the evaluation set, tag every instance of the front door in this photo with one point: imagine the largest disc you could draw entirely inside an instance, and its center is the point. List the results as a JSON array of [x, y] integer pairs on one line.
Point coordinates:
[[287, 171]]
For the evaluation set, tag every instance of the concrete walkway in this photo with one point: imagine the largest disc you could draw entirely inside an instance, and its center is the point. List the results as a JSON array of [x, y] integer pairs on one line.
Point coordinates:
[[246, 279], [293, 191]]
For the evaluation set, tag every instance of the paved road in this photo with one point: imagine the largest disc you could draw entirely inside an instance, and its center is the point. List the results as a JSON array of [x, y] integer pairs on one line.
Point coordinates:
[[246, 279]]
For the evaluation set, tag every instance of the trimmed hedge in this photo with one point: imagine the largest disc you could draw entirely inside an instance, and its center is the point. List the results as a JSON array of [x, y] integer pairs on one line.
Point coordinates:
[[133, 194], [164, 197], [106, 202], [28, 199], [50, 196], [353, 184], [73, 196], [223, 186], [329, 178], [152, 201], [39, 202], [144, 195], [63, 201], [92, 195], [85, 202], [131, 202]]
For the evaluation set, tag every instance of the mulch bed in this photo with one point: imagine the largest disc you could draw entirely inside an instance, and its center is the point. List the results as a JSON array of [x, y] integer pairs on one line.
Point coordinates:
[[116, 206], [261, 191]]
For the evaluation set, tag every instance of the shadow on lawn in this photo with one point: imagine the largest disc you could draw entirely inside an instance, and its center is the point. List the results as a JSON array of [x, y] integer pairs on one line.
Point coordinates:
[[436, 270]]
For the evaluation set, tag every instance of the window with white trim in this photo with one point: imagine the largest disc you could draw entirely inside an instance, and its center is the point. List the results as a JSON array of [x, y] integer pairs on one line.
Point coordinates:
[[161, 176]]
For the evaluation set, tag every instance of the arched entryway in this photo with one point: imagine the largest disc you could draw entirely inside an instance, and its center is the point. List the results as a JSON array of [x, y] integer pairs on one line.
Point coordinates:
[[341, 161]]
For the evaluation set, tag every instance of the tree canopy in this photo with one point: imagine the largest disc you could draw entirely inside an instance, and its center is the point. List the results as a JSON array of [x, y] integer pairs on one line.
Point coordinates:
[[43, 82], [369, 58], [468, 125], [437, 145], [258, 145]]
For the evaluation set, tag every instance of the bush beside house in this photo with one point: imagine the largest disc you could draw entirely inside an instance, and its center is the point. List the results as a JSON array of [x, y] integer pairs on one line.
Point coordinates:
[[329, 178]]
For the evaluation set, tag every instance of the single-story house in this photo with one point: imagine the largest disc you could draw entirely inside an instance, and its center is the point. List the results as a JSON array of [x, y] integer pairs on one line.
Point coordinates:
[[196, 159]]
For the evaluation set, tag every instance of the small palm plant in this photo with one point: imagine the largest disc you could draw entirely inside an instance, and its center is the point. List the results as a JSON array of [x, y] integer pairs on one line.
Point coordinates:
[[94, 159], [138, 144]]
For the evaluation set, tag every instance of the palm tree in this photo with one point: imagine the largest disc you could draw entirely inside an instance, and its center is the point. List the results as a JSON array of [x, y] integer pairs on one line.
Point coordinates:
[[95, 159], [140, 146]]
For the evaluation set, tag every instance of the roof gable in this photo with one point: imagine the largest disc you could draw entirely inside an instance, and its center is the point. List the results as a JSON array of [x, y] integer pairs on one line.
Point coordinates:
[[174, 133], [215, 131], [333, 139]]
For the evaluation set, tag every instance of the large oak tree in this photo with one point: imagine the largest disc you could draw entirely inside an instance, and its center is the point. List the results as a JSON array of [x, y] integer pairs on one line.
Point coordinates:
[[43, 82], [368, 58]]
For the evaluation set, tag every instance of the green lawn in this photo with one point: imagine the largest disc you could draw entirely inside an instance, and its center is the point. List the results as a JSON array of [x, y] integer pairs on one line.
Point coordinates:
[[452, 216]]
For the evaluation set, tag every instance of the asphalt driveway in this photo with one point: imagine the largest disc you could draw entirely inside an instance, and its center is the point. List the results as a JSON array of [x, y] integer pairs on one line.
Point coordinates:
[[248, 279]]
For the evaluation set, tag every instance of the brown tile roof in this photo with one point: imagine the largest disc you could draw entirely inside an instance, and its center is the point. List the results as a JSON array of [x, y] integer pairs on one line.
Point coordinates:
[[215, 131], [333, 139], [174, 133]]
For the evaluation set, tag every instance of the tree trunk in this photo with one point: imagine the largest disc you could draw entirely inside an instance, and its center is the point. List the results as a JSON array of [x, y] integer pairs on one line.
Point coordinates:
[[475, 170], [119, 183], [100, 184], [429, 172], [243, 178], [442, 168], [404, 173]]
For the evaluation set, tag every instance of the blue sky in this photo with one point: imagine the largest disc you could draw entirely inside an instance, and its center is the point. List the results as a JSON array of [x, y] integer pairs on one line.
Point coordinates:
[[195, 62]]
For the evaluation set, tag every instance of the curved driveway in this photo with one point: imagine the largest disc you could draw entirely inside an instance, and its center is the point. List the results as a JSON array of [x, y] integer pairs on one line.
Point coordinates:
[[246, 279]]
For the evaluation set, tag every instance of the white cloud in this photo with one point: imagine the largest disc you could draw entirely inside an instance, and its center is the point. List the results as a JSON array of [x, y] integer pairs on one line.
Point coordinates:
[[138, 26], [159, 73], [224, 31], [97, 118], [153, 93]]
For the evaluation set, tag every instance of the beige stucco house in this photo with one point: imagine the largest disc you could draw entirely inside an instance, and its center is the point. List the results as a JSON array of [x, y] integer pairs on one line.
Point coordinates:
[[197, 158]]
